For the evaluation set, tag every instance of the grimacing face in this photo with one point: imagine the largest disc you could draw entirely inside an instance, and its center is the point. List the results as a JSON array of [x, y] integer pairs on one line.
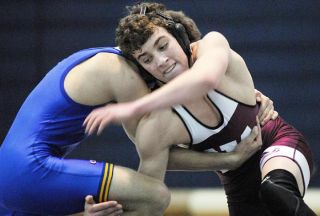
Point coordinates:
[[162, 56]]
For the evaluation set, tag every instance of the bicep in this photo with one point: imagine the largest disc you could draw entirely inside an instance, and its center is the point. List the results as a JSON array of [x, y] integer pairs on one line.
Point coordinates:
[[212, 57]]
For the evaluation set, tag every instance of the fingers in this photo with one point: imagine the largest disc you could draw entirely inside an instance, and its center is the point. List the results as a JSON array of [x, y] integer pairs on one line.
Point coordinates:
[[115, 213], [267, 114], [258, 123], [85, 122], [253, 135], [89, 122], [266, 111], [258, 95], [263, 100], [256, 130], [103, 123], [105, 205], [265, 108], [89, 199], [109, 208], [96, 121], [275, 115], [92, 124], [259, 136]]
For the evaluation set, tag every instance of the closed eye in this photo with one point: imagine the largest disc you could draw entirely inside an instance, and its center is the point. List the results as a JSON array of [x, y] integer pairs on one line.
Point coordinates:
[[147, 60], [163, 47]]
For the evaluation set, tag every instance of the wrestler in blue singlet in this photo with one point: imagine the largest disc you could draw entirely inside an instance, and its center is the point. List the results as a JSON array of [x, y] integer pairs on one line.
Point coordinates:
[[34, 177]]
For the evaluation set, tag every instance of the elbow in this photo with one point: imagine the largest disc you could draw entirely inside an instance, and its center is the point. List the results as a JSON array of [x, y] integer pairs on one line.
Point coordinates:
[[208, 83], [211, 78], [212, 84]]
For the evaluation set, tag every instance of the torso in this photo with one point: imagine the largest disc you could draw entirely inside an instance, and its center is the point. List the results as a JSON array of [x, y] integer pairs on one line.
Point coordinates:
[[92, 81], [236, 122], [204, 111], [62, 100], [106, 78], [236, 84]]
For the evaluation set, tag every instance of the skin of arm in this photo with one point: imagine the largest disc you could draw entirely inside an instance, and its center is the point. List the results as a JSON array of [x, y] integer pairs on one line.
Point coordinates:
[[154, 140], [153, 163], [119, 82], [185, 159], [211, 63], [153, 143], [126, 85]]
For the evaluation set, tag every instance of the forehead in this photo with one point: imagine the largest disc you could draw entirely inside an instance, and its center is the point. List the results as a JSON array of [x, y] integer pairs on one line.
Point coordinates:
[[159, 33]]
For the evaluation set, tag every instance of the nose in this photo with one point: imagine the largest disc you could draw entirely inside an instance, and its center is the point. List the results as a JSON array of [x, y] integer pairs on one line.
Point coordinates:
[[162, 60]]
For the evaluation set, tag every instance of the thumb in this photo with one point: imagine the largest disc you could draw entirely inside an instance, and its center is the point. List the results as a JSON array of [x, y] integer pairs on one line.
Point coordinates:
[[89, 199], [258, 96], [253, 134]]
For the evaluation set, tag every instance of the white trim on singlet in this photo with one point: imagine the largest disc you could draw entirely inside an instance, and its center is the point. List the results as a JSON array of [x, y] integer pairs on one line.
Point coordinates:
[[293, 154], [200, 132]]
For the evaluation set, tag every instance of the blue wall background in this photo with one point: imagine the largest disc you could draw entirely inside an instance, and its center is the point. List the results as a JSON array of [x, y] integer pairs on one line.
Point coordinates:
[[278, 39]]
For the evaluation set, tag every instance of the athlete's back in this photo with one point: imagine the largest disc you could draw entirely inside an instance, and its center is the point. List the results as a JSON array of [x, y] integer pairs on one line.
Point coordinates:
[[34, 176]]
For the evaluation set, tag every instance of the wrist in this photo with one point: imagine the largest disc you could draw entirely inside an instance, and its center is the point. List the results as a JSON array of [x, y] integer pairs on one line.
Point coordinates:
[[236, 160], [138, 107], [145, 105]]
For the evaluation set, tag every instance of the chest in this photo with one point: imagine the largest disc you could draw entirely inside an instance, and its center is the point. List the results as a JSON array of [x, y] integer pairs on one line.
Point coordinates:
[[219, 125], [204, 111]]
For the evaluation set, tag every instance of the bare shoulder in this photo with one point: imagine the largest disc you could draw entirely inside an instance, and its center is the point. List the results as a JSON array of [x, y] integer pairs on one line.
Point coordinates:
[[89, 82], [214, 35], [127, 85], [212, 43], [103, 78]]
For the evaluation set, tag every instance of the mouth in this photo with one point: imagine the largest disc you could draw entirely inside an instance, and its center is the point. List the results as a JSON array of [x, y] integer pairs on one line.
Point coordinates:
[[170, 69]]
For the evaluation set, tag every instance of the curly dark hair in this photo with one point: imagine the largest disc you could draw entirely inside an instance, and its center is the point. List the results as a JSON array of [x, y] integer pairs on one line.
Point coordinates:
[[135, 29]]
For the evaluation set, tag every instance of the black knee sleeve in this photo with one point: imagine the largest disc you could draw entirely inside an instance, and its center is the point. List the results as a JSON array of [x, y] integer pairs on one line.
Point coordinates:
[[280, 193]]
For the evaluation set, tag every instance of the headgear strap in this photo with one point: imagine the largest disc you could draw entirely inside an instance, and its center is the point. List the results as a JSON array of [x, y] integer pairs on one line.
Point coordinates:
[[143, 10]]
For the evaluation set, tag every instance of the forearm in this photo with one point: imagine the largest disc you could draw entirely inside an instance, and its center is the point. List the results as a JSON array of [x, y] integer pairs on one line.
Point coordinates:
[[182, 89], [185, 159]]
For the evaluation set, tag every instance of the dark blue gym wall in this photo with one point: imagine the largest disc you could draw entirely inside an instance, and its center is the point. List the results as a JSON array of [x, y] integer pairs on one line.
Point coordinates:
[[278, 39]]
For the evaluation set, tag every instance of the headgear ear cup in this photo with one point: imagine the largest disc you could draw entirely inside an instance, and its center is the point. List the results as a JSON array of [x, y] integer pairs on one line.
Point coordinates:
[[183, 39]]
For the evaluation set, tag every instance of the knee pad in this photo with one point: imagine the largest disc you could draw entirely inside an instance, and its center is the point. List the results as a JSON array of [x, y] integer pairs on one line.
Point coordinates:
[[279, 191]]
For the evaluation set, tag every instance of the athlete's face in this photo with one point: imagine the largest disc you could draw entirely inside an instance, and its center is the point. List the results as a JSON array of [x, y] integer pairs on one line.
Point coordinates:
[[162, 56]]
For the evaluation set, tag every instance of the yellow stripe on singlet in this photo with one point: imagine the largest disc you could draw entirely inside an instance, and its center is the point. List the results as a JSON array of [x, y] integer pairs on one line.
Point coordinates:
[[109, 182], [103, 182]]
